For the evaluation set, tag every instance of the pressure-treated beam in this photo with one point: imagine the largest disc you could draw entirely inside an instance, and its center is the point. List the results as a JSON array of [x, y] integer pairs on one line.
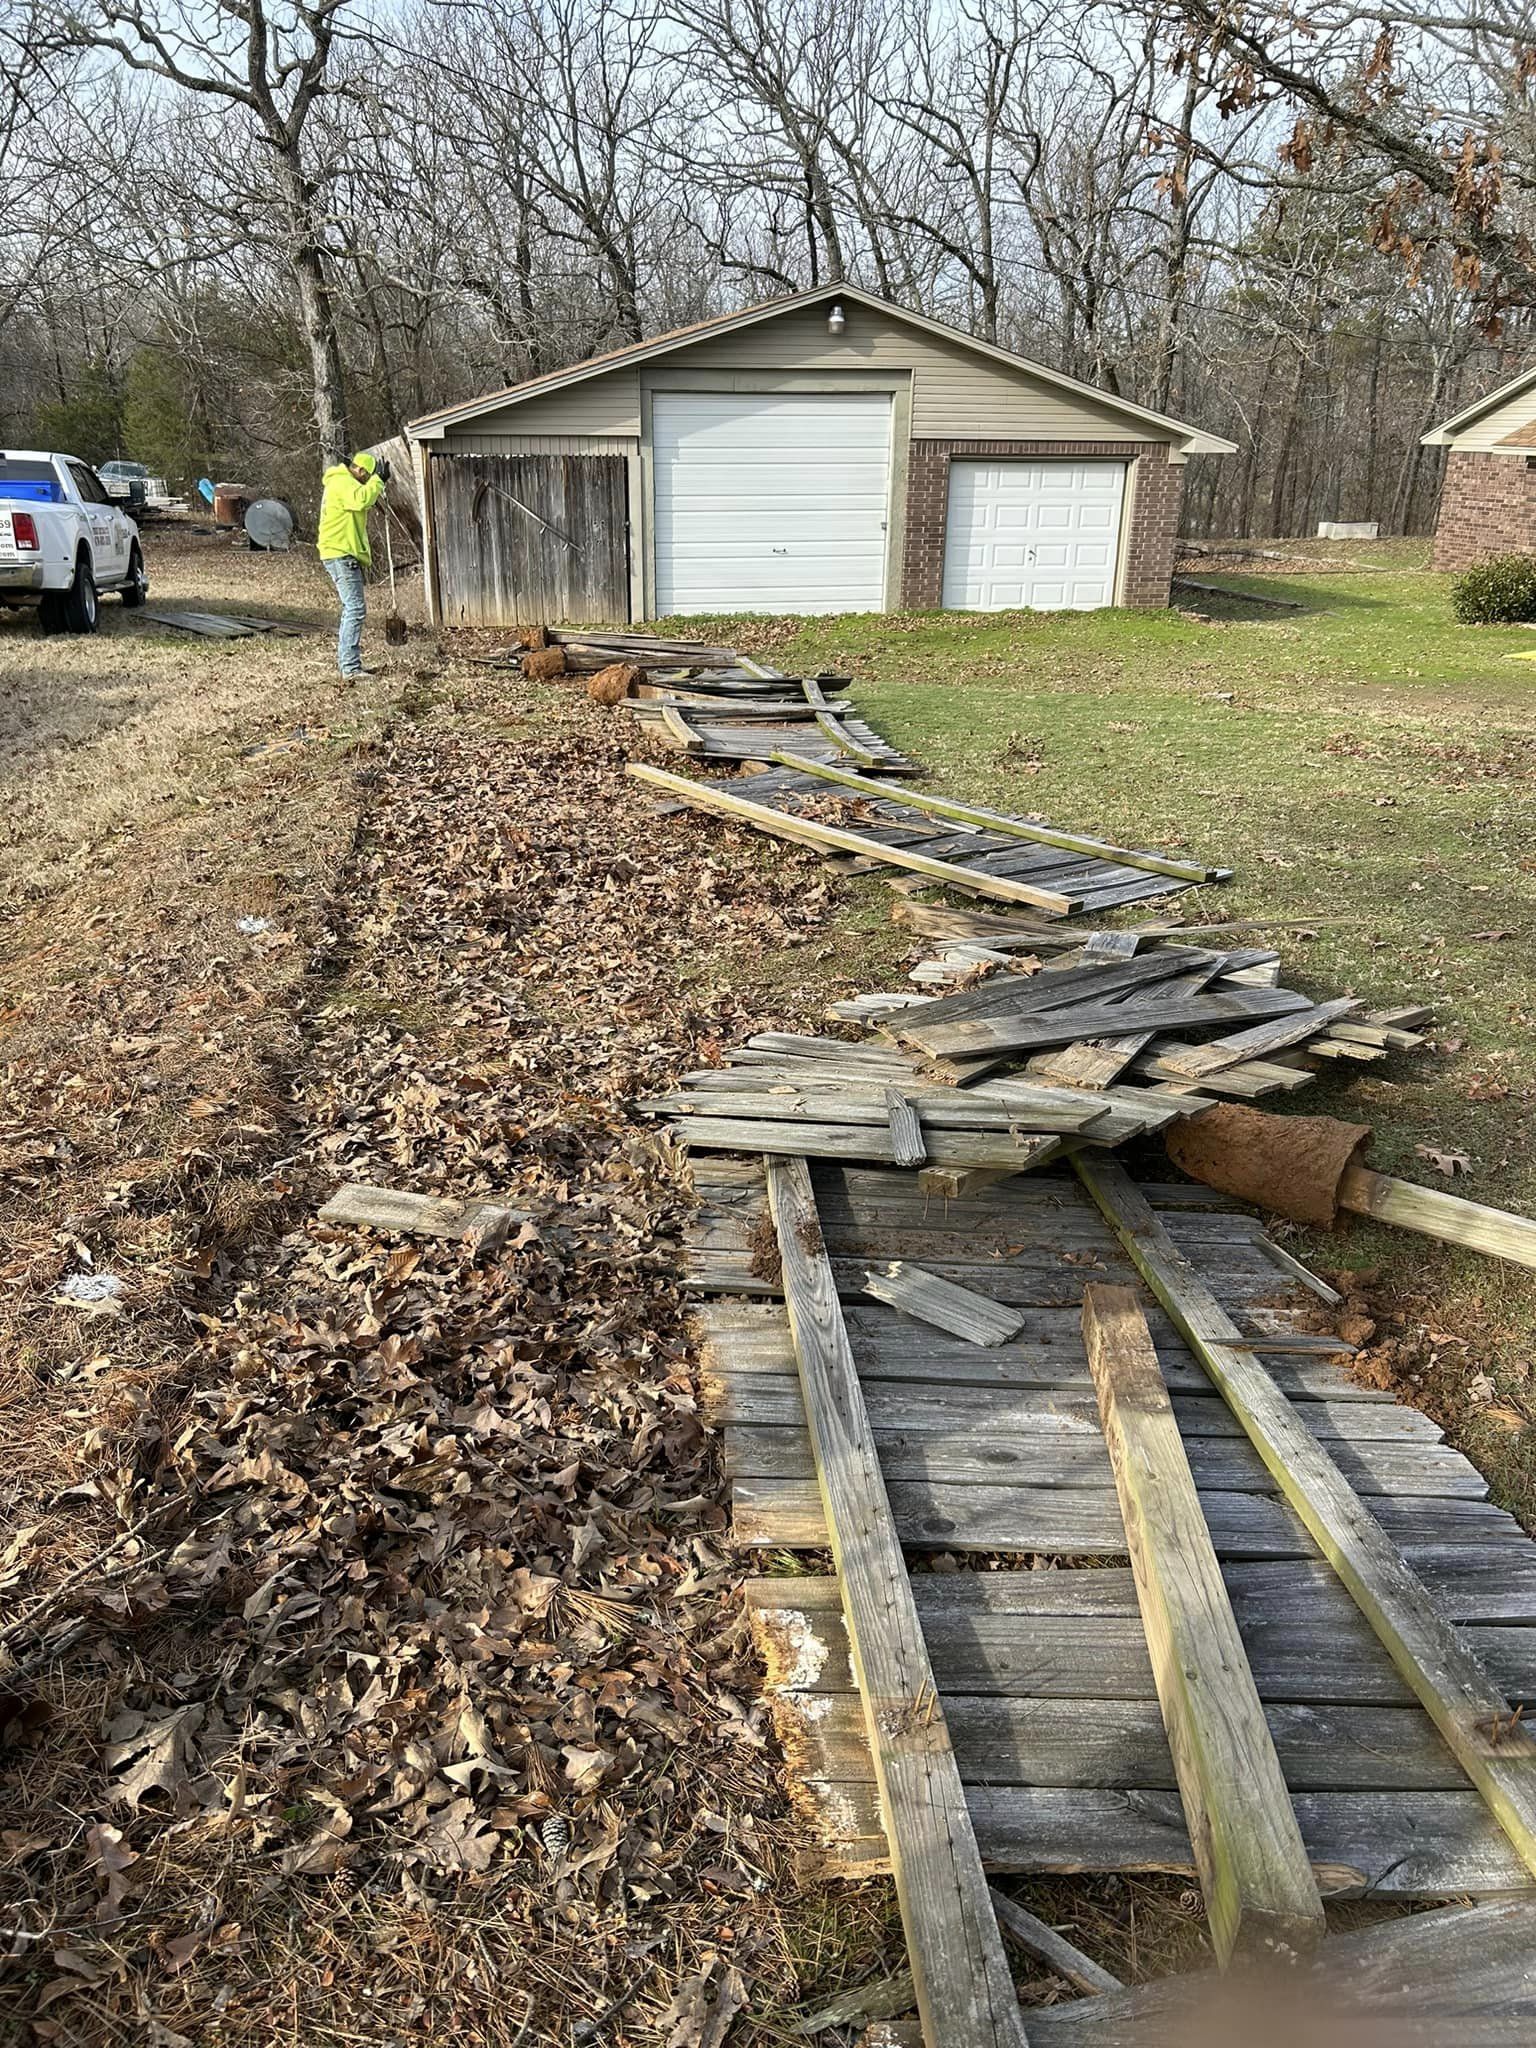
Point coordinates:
[[1015, 828], [965, 1991], [1448, 1680], [1260, 1896], [713, 796]]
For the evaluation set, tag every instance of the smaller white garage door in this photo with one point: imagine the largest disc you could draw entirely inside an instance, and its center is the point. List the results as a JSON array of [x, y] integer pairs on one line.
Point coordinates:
[[1041, 535]]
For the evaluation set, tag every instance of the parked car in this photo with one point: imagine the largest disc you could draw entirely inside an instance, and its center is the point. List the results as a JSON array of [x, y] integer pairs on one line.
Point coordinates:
[[63, 541], [126, 484]]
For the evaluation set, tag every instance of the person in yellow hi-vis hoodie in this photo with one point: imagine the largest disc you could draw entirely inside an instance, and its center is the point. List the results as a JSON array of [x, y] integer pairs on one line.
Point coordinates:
[[351, 491]]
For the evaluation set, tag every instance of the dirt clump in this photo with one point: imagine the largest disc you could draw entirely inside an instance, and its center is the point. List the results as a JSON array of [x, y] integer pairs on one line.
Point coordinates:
[[766, 1261], [613, 684], [1287, 1165], [543, 662]]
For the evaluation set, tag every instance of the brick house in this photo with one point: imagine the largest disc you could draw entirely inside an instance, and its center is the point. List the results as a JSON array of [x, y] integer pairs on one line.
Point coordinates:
[[821, 453], [1488, 499]]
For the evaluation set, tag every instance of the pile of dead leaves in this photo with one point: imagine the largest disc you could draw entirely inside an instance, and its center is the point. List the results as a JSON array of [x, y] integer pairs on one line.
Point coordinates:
[[417, 1693]]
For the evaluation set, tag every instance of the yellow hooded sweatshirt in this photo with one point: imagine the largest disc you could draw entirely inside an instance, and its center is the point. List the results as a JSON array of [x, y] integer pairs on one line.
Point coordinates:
[[344, 511]]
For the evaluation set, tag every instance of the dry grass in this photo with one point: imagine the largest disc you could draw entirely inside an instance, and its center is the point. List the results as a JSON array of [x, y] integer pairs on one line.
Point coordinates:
[[100, 737]]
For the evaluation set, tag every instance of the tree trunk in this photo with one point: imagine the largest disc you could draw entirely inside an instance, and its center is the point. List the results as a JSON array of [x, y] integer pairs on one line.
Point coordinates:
[[1176, 264], [317, 318], [319, 324]]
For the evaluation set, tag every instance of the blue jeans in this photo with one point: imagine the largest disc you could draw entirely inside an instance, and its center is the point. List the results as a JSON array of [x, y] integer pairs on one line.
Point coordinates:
[[347, 575]]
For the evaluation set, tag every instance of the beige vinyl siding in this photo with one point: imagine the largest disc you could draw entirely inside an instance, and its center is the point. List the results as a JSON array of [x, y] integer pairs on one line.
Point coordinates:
[[956, 394], [470, 441], [601, 405], [1484, 435]]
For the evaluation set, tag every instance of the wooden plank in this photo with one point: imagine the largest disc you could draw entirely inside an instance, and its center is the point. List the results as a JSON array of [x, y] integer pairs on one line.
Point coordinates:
[[1194, 1062], [1048, 1355], [959, 1310], [1082, 1521], [675, 723], [1449, 1681], [1077, 1634], [1008, 1033], [843, 740], [907, 1147], [1086, 1744], [1052, 988], [957, 1453], [958, 1184], [1247, 1081], [1433, 1213], [1035, 1279], [1049, 1947], [1091, 1063], [713, 797], [1044, 835], [1409, 1845], [948, 1404], [965, 1991], [852, 1141], [487, 1223], [840, 1102], [1260, 1898]]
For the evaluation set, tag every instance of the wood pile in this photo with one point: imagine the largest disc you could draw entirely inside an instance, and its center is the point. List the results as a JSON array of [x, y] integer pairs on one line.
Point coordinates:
[[1105, 1040], [1010, 859], [1146, 1003], [220, 625]]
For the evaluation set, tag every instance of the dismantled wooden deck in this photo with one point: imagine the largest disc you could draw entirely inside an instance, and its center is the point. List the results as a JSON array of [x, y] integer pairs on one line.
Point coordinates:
[[1043, 1673], [996, 855]]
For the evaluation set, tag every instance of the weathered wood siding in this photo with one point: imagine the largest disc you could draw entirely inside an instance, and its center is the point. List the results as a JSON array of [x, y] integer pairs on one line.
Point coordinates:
[[525, 539]]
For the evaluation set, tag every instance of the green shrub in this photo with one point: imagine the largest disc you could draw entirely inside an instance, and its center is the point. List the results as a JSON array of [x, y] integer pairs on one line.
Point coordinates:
[[1497, 593]]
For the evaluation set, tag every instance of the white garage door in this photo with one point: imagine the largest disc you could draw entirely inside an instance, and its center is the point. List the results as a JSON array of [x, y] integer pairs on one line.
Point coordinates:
[[771, 502], [1039, 534]]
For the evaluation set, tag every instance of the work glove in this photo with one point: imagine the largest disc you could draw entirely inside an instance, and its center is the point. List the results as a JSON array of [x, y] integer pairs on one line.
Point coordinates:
[[381, 469]]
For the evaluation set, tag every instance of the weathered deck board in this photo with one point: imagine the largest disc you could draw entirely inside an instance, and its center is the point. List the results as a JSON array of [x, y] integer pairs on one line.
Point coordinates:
[[965, 1991], [1380, 1844], [1078, 1521], [1260, 1898]]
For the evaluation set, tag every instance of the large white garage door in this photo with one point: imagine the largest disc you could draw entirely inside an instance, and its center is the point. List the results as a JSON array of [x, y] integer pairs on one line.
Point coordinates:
[[771, 502], [1039, 534]]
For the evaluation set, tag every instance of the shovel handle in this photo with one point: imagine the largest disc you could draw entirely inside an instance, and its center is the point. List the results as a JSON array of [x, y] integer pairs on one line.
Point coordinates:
[[1434, 1214]]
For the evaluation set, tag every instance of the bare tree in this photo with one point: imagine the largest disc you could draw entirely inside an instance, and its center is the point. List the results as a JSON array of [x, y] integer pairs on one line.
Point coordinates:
[[272, 61]]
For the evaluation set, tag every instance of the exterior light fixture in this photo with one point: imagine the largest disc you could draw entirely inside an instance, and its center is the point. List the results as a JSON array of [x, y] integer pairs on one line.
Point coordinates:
[[835, 321]]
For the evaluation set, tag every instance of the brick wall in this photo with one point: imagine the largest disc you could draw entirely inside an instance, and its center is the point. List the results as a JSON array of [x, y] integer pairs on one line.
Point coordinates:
[[1156, 483], [1487, 507]]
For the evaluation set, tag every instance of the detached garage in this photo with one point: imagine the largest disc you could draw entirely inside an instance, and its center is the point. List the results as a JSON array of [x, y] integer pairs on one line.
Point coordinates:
[[823, 453]]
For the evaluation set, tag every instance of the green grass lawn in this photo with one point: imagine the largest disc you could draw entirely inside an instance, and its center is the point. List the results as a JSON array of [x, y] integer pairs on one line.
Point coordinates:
[[1364, 762]]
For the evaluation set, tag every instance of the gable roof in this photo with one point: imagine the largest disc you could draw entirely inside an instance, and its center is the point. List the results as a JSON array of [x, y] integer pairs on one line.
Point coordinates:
[[431, 424], [1443, 435]]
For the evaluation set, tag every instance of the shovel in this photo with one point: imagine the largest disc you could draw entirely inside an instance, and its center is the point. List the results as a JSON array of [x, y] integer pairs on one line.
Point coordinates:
[[1310, 1167], [394, 621]]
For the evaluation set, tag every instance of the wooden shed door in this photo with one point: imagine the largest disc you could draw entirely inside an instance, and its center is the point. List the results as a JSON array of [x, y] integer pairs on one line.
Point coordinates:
[[525, 539]]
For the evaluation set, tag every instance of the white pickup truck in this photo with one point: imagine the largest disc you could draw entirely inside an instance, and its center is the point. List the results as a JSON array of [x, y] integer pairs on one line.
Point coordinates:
[[63, 541]]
